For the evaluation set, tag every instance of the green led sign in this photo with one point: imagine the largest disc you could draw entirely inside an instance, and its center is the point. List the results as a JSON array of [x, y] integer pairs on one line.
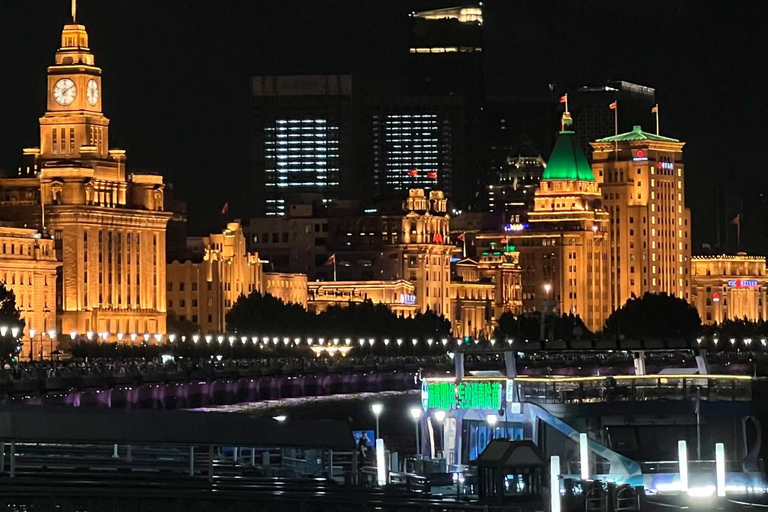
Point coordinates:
[[467, 395]]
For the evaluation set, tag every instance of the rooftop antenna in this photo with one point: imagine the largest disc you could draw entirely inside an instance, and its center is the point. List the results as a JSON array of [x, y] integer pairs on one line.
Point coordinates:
[[74, 11]]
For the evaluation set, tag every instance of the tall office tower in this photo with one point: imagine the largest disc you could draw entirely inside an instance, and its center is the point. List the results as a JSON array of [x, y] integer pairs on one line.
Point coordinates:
[[593, 117], [416, 143], [302, 146], [108, 226], [514, 184], [643, 187], [446, 59], [446, 51], [564, 249]]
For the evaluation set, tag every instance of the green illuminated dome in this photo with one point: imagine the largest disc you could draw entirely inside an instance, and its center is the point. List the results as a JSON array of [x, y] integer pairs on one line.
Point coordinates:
[[567, 161]]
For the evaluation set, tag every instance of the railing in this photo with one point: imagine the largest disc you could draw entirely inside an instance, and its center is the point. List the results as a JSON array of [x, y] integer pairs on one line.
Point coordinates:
[[634, 389]]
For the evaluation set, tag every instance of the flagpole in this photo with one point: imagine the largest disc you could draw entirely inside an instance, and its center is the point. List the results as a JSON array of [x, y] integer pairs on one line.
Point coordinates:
[[464, 241], [334, 267], [657, 119]]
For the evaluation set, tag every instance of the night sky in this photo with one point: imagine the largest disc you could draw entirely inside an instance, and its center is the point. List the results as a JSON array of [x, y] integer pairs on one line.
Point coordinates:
[[176, 77]]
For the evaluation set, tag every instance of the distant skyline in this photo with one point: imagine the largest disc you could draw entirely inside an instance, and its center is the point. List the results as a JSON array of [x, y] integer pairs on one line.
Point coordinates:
[[176, 77]]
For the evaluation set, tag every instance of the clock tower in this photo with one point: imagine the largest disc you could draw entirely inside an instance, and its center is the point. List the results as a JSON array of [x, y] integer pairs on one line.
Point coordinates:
[[74, 126], [107, 224]]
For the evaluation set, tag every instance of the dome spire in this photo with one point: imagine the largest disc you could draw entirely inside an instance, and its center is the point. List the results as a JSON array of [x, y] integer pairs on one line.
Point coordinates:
[[74, 11]]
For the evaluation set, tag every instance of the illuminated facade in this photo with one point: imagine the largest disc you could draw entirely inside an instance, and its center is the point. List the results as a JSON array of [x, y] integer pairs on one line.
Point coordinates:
[[290, 288], [729, 288], [642, 179], [564, 250], [204, 291], [108, 226], [302, 138], [481, 291], [417, 143], [399, 296], [28, 267]]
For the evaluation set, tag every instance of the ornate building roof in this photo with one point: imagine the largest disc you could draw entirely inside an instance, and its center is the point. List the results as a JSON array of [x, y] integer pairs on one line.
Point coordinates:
[[637, 134], [567, 161]]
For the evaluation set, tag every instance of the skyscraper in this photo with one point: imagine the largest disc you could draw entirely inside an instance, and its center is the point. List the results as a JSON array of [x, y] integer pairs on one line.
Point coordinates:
[[302, 147], [416, 142], [446, 60], [643, 188], [108, 225]]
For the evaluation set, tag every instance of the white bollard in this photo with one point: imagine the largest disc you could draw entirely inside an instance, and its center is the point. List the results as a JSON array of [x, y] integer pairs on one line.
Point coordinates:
[[584, 456], [554, 483], [682, 457], [720, 468]]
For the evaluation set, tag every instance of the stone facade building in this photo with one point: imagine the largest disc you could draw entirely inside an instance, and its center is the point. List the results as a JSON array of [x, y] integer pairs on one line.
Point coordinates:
[[28, 267], [108, 224], [729, 288]]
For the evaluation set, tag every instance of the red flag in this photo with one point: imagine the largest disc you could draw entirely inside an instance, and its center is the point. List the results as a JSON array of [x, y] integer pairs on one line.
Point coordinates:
[[655, 110], [331, 259], [563, 98], [432, 175], [461, 237], [225, 208], [613, 105], [413, 172], [437, 238], [736, 220], [504, 240]]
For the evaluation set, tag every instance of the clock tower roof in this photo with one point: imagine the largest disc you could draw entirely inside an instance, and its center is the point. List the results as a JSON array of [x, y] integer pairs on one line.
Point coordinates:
[[74, 48]]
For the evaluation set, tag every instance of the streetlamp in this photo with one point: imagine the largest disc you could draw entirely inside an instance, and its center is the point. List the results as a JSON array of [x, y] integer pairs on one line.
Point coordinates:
[[416, 415], [377, 408], [32, 333], [492, 420], [440, 417], [133, 338], [52, 336]]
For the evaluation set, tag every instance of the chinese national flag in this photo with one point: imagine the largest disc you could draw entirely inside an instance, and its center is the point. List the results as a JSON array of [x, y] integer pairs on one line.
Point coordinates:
[[331, 260], [413, 172], [432, 175], [461, 237], [225, 208], [563, 98], [613, 105], [655, 110]]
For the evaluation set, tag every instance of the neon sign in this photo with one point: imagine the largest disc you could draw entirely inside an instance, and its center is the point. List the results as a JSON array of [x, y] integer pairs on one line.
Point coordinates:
[[467, 395], [640, 156], [407, 299], [743, 283], [514, 227], [666, 165]]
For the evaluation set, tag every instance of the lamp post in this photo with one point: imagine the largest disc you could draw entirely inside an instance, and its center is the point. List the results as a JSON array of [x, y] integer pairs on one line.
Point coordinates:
[[416, 415], [51, 335], [32, 333], [542, 331], [492, 420], [377, 408], [440, 417]]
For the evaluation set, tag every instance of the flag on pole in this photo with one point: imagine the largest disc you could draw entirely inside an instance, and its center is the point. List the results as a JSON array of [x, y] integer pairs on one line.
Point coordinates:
[[225, 208], [655, 109], [461, 237], [413, 172], [432, 175], [564, 98], [736, 220], [613, 105], [331, 260]]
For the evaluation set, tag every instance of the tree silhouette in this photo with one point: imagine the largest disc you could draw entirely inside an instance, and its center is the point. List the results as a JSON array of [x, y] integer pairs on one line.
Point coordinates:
[[654, 315], [10, 318]]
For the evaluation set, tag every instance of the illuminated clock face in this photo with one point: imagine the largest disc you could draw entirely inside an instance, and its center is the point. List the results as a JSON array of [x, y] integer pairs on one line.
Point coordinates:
[[93, 92], [64, 92]]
